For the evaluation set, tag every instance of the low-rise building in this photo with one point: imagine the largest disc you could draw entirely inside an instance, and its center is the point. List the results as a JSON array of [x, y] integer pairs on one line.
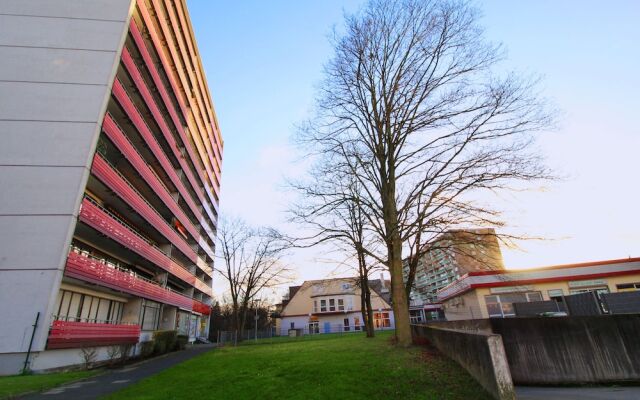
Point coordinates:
[[333, 305], [491, 294]]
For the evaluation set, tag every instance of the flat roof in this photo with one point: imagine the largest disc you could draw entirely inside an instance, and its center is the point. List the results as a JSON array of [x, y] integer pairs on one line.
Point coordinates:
[[578, 271]]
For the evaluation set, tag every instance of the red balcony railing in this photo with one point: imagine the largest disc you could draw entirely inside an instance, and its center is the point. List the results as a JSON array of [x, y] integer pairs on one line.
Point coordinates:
[[116, 182], [123, 144], [145, 132], [102, 221], [201, 307], [92, 270], [68, 335], [151, 67]]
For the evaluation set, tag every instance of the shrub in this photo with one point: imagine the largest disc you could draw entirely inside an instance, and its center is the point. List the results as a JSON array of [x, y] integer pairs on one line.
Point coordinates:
[[181, 342], [147, 348], [89, 355], [165, 341]]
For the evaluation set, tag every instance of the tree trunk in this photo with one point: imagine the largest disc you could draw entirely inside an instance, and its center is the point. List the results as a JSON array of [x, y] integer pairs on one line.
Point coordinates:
[[369, 325], [394, 249]]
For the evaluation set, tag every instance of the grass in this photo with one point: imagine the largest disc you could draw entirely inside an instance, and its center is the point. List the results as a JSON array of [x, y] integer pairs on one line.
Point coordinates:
[[13, 385], [349, 366]]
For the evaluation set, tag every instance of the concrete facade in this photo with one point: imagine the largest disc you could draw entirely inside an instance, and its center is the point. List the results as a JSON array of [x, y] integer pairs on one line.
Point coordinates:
[[63, 65], [52, 101]]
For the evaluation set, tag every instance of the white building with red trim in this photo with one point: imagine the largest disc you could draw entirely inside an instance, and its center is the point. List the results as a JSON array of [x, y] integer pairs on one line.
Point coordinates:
[[491, 294]]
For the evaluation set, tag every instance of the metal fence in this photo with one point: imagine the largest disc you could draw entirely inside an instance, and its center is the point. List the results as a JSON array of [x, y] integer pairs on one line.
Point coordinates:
[[274, 335], [584, 304]]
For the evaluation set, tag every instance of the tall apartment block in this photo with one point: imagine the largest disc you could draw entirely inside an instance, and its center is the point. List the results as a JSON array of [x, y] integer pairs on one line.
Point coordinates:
[[450, 256], [110, 162]]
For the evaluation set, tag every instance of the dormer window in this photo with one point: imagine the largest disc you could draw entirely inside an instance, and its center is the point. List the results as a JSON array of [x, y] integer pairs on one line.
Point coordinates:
[[346, 286]]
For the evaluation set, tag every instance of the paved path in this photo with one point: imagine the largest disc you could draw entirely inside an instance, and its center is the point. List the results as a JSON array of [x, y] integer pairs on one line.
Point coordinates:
[[578, 393], [116, 379]]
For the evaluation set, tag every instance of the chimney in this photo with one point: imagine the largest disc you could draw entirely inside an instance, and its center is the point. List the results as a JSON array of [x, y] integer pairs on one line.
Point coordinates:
[[383, 288]]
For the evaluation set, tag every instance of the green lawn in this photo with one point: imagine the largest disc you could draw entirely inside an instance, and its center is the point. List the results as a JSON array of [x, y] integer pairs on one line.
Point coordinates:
[[13, 385], [348, 367]]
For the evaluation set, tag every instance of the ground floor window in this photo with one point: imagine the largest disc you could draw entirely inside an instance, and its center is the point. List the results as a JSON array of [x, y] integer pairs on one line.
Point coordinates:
[[501, 305], [347, 328], [80, 307], [356, 323], [381, 320], [150, 315], [314, 327]]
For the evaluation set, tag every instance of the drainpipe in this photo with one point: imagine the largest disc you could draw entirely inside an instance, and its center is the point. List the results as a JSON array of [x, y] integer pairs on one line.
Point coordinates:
[[33, 333]]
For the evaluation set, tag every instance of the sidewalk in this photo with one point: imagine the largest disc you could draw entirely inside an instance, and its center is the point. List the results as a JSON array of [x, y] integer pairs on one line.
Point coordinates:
[[114, 380]]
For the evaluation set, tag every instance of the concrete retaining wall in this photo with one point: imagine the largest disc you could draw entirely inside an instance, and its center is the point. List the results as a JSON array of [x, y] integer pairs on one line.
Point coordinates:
[[481, 354], [571, 349]]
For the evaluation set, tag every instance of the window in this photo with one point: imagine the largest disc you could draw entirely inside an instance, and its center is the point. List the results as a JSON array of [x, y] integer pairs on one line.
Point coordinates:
[[292, 325], [356, 323], [346, 286], [628, 287], [314, 327], [332, 304], [315, 306], [81, 307], [381, 320], [340, 305], [346, 325], [502, 305], [150, 315], [555, 294], [323, 305]]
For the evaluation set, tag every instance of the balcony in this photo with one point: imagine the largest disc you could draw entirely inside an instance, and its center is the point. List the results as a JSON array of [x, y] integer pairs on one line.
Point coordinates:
[[151, 67], [113, 131], [96, 271], [68, 335], [145, 132], [201, 307], [104, 222], [116, 182]]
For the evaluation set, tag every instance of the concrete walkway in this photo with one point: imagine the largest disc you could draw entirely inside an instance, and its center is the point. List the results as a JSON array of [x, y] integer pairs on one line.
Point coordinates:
[[578, 393], [114, 380]]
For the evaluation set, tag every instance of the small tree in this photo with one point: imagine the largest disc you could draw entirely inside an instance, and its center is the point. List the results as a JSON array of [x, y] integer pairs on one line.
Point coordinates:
[[252, 261]]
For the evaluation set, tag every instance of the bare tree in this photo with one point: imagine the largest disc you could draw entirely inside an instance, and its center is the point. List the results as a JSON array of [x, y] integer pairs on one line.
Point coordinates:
[[252, 261], [330, 208], [413, 106]]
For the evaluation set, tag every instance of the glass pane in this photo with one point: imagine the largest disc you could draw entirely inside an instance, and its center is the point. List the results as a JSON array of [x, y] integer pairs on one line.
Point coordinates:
[[534, 296], [507, 309], [494, 309]]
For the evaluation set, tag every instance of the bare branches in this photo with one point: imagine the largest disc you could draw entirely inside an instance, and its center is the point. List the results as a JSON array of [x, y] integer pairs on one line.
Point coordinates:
[[414, 112], [252, 261]]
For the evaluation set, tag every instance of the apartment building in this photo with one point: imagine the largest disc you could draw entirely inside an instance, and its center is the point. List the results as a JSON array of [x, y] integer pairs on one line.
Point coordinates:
[[333, 305], [450, 256], [110, 172]]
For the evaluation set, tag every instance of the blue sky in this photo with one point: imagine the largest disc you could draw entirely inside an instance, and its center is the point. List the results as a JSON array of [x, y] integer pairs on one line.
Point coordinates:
[[263, 58]]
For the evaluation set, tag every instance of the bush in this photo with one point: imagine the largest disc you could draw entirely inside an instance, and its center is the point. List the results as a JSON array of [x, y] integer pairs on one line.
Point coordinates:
[[165, 341], [147, 348], [181, 342]]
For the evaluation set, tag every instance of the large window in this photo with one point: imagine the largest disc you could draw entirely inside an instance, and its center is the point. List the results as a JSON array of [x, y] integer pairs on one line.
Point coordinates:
[[80, 307], [340, 305], [347, 328], [332, 304], [150, 315], [501, 305], [323, 305], [381, 320]]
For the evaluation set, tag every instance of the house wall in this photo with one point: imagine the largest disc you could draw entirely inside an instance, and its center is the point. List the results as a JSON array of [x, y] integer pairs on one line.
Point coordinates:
[[58, 63]]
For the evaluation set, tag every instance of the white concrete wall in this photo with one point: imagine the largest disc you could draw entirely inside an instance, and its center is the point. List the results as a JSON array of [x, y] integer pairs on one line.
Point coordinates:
[[57, 63]]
